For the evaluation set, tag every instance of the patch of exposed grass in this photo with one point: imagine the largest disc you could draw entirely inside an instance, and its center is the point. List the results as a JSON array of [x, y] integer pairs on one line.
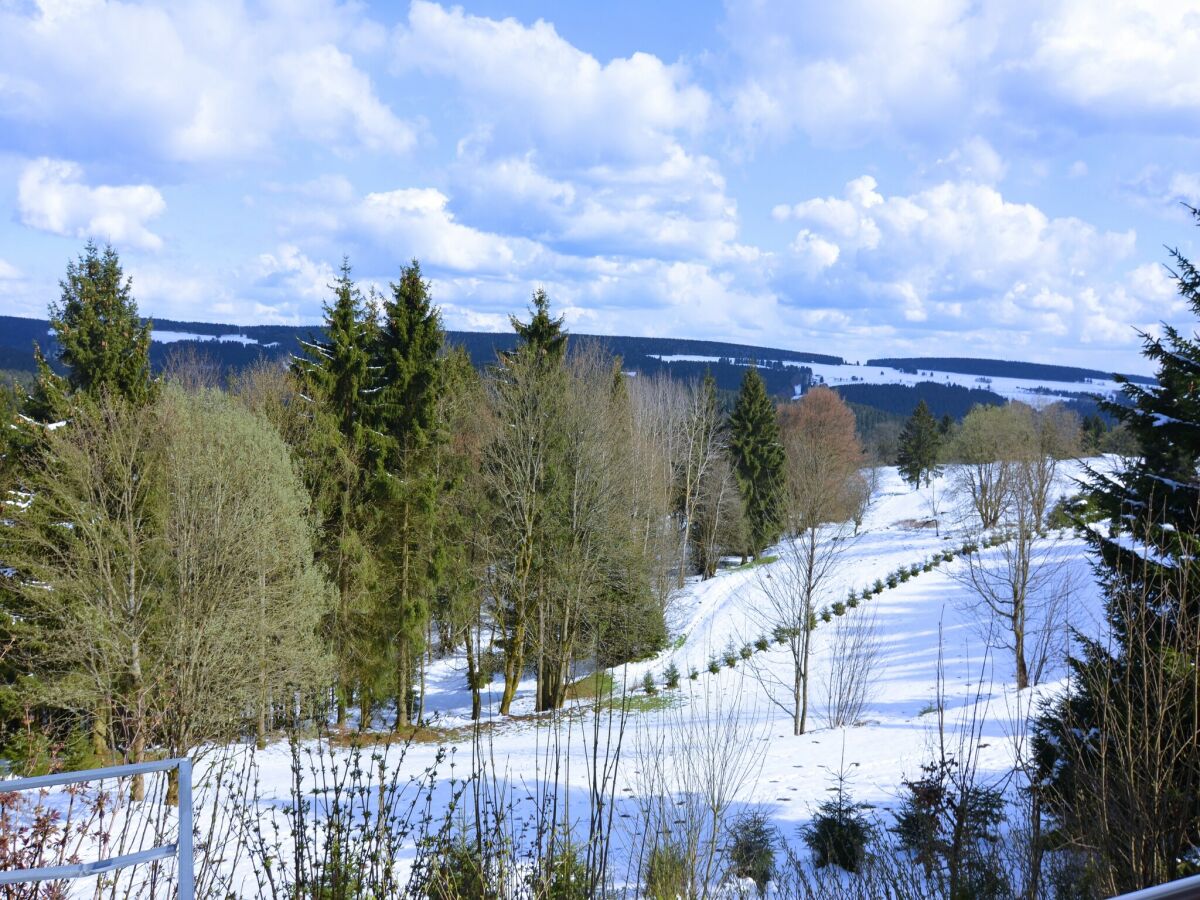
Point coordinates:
[[760, 561], [598, 684]]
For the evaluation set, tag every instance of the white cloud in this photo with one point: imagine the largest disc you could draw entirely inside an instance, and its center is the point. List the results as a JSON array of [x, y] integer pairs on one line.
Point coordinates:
[[52, 196], [191, 82], [849, 71], [960, 252], [1128, 58], [419, 221], [541, 87]]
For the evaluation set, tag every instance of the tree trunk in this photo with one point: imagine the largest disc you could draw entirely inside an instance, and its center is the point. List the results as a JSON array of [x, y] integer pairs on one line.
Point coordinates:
[[472, 677], [100, 729]]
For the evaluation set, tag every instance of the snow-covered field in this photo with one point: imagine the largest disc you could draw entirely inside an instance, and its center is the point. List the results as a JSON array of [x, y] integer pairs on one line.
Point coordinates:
[[1035, 392], [929, 618]]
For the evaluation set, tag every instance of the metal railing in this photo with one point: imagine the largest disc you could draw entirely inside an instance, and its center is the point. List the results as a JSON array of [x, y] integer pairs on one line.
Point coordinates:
[[182, 849], [1171, 890]]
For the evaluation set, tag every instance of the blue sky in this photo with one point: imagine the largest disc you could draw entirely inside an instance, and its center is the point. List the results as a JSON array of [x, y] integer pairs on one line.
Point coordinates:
[[989, 178]]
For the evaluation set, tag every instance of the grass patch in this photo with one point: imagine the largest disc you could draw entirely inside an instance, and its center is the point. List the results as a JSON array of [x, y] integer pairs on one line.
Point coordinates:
[[598, 684], [761, 561]]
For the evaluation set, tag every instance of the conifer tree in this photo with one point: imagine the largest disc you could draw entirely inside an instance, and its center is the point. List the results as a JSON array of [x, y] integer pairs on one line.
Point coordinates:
[[758, 459], [102, 342], [920, 446], [338, 369], [1119, 756], [543, 333], [408, 360]]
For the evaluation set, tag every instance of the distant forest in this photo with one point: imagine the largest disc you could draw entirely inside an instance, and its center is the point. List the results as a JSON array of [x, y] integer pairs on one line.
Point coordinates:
[[784, 372]]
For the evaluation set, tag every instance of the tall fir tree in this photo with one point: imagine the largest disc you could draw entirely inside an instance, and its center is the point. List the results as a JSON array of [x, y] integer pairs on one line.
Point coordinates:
[[758, 460], [543, 333], [102, 341], [1119, 755], [408, 361], [337, 371], [920, 447]]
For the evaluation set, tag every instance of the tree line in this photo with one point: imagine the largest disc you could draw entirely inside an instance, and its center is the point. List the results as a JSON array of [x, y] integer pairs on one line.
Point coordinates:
[[195, 556]]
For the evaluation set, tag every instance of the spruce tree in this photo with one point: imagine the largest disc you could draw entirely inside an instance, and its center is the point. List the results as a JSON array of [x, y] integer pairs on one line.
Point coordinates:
[[1119, 756], [920, 446], [408, 363], [102, 342], [758, 459], [335, 373], [542, 333]]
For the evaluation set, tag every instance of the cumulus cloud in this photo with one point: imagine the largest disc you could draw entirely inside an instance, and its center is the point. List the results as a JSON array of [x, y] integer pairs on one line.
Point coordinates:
[[189, 82], [52, 196], [960, 255], [540, 86], [848, 71]]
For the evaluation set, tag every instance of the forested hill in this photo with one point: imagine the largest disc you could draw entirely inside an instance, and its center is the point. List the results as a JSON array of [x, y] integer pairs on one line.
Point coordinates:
[[235, 346], [1000, 368]]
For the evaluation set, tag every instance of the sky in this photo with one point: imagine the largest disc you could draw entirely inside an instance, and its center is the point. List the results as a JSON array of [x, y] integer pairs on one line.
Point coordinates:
[[995, 178]]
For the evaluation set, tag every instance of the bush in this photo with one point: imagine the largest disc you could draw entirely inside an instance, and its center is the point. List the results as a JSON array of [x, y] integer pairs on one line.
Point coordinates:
[[948, 556], [951, 827], [747, 651], [648, 685], [761, 643], [460, 872], [730, 657], [878, 588], [565, 878], [914, 570], [671, 676], [840, 831], [714, 665], [852, 598], [826, 615], [903, 574], [892, 580], [752, 850], [781, 634], [667, 876], [694, 673], [928, 567], [838, 608]]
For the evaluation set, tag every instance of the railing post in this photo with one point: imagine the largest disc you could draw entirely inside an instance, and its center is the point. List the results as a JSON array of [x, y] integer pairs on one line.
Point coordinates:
[[187, 875]]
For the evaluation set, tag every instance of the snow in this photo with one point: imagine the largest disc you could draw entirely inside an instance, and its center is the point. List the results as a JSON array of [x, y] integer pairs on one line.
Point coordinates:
[[171, 337], [1028, 390], [930, 618]]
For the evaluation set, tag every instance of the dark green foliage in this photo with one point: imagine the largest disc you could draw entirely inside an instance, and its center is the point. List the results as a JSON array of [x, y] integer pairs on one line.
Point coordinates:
[[102, 343], [694, 673], [403, 411], [648, 686], [542, 333], [1138, 686], [761, 643], [752, 850], [840, 832], [758, 460], [714, 665], [671, 676], [899, 399], [950, 825], [920, 447], [730, 657], [893, 579], [838, 608], [878, 586], [826, 615]]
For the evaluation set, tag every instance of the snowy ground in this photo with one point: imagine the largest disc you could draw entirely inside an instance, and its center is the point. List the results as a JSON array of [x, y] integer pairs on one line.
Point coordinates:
[[1035, 392], [784, 776]]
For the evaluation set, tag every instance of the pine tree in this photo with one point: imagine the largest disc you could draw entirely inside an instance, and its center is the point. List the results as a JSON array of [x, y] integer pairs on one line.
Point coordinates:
[[920, 446], [102, 342], [758, 459], [543, 333], [1119, 757], [336, 375], [408, 360]]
